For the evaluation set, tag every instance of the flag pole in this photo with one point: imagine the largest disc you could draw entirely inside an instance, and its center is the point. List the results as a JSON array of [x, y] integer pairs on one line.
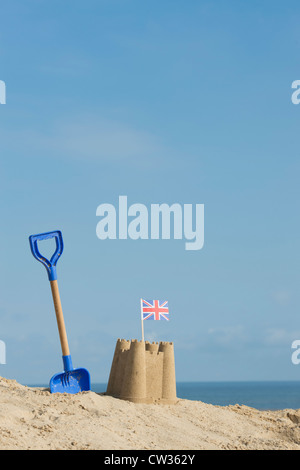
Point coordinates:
[[143, 339]]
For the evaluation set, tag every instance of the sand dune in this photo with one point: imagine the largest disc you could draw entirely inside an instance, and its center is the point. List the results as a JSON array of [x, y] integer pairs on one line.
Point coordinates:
[[35, 419]]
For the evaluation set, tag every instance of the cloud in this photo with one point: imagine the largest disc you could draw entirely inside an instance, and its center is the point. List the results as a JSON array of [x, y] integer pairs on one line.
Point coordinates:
[[67, 65], [104, 139], [230, 338], [238, 335], [282, 297], [280, 336], [87, 138], [225, 338], [228, 335]]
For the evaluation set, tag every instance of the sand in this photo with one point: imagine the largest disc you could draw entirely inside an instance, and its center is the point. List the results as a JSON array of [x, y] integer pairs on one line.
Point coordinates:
[[35, 419]]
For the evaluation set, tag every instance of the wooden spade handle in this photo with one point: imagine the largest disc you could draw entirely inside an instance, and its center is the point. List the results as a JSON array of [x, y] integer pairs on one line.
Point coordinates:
[[60, 318]]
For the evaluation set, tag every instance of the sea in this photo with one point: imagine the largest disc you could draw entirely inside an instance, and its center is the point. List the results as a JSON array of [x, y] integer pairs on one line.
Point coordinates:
[[260, 395]]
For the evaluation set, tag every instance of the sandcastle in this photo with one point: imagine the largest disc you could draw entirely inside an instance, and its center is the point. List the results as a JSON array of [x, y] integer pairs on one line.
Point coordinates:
[[143, 372]]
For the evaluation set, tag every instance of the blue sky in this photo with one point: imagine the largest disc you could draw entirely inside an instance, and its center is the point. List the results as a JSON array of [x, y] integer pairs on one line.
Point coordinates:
[[165, 102]]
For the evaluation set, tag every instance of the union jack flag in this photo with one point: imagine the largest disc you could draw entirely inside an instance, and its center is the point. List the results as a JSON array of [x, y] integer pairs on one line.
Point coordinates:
[[155, 309]]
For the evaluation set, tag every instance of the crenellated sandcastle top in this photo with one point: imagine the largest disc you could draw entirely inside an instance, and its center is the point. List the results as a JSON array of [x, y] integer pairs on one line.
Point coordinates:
[[143, 372]]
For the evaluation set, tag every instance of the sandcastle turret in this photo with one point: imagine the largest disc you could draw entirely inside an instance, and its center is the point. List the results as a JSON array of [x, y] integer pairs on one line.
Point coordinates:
[[143, 372], [114, 383], [134, 374], [168, 375]]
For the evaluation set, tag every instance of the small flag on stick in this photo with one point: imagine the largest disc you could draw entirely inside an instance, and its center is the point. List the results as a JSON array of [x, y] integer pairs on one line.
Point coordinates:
[[154, 310]]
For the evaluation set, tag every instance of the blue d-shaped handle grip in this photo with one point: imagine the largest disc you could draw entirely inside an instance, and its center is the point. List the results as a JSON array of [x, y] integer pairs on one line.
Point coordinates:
[[49, 265]]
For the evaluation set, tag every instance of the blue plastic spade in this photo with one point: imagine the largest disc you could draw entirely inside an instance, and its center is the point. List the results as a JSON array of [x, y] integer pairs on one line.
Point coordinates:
[[71, 380]]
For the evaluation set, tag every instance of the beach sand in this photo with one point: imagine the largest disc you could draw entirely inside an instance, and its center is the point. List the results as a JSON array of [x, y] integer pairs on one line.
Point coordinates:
[[32, 418]]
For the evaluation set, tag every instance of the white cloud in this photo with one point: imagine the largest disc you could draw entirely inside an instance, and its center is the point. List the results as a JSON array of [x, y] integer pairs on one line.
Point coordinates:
[[87, 138], [238, 335], [282, 297], [67, 65], [104, 139], [280, 336], [228, 334]]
